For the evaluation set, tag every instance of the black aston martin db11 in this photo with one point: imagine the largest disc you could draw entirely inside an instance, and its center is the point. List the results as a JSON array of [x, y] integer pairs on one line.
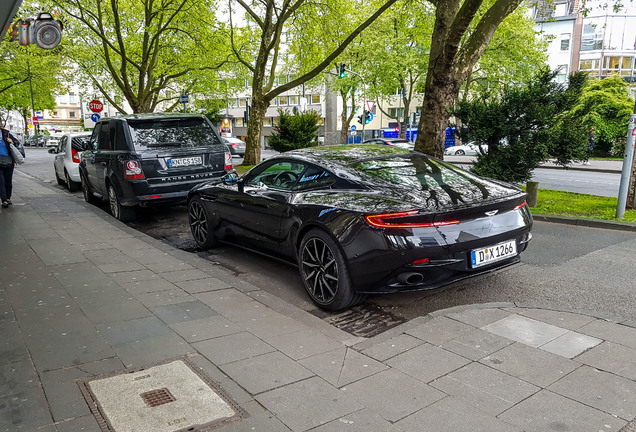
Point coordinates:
[[365, 219]]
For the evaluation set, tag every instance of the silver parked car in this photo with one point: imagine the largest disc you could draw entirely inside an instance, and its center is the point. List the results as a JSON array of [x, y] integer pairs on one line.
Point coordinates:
[[67, 159]]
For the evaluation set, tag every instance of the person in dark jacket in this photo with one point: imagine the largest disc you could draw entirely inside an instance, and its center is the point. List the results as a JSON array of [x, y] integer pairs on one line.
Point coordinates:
[[6, 166]]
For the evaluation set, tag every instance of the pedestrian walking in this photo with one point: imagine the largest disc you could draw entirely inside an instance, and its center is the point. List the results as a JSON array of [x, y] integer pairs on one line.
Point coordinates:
[[7, 163], [590, 146]]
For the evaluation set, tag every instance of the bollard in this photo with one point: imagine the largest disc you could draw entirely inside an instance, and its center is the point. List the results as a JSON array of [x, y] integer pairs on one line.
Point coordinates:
[[532, 189]]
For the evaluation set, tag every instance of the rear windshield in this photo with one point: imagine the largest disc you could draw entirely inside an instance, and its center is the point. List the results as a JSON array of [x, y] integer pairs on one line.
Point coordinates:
[[183, 132], [417, 172]]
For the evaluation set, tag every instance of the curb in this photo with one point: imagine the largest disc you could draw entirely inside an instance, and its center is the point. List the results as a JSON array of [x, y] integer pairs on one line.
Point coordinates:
[[589, 223]]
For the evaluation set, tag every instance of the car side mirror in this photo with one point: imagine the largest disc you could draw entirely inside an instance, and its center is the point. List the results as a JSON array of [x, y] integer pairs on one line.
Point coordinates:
[[230, 179]]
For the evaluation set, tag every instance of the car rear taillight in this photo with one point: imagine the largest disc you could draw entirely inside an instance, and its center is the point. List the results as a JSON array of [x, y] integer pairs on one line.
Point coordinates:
[[406, 219], [133, 171], [520, 205], [228, 161], [75, 156]]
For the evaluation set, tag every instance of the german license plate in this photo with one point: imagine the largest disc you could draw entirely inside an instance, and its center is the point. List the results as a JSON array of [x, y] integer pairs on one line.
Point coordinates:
[[186, 161], [491, 254]]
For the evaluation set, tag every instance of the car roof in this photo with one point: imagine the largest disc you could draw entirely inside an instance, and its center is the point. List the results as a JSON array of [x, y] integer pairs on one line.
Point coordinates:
[[153, 116], [344, 155]]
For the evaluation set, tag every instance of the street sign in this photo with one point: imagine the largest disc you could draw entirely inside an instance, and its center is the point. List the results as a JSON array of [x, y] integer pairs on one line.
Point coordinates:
[[353, 133], [95, 106], [353, 127], [183, 99], [397, 129], [39, 114], [370, 105], [95, 117], [35, 121]]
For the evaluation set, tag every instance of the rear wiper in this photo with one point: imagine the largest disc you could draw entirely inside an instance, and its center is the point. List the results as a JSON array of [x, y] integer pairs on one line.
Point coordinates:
[[165, 144]]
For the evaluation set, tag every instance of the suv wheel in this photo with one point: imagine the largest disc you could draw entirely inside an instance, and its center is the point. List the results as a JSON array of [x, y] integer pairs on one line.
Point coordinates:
[[87, 192], [119, 211]]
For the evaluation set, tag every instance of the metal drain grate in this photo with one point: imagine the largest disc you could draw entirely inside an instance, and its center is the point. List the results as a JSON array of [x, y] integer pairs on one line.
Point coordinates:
[[156, 398], [630, 427], [365, 320]]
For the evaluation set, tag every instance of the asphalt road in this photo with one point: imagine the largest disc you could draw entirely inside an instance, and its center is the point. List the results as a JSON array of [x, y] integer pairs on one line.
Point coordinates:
[[591, 183], [565, 267]]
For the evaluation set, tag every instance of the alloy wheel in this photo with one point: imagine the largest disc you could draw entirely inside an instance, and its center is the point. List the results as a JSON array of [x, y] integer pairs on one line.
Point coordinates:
[[319, 270], [114, 203], [198, 222]]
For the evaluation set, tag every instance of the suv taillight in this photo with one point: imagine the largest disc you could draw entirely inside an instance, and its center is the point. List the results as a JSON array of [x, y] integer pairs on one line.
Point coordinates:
[[133, 171], [228, 160], [75, 156]]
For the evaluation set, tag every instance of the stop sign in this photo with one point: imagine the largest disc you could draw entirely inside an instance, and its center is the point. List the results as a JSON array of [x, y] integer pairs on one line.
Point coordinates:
[[95, 106]]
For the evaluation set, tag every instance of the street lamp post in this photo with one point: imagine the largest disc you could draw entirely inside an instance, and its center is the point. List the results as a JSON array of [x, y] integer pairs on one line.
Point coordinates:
[[364, 95], [36, 126]]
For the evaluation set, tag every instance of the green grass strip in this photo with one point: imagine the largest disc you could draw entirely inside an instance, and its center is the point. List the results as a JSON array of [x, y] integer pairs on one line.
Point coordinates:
[[552, 202]]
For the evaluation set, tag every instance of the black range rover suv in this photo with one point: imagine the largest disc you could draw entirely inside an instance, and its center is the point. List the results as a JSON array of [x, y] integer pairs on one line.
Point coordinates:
[[150, 158]]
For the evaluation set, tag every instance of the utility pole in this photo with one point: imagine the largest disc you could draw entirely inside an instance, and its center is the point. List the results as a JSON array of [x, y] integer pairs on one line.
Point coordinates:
[[627, 169], [35, 126]]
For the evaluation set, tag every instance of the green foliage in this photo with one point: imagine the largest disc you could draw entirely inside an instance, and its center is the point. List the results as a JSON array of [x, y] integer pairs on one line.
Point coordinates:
[[525, 126], [605, 106], [295, 131]]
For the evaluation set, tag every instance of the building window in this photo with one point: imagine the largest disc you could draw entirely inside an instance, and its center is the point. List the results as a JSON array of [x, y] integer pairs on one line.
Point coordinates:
[[71, 114], [267, 122], [565, 42], [71, 98], [54, 114], [283, 100], [238, 122], [315, 99], [626, 66], [563, 73], [293, 100], [242, 102], [560, 9], [588, 65], [396, 112], [592, 38]]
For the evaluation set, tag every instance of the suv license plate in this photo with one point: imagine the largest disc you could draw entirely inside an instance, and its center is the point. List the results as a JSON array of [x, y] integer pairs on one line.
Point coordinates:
[[179, 162], [491, 254]]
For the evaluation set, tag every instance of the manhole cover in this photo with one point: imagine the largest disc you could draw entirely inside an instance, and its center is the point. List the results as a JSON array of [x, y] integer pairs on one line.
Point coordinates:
[[365, 320], [631, 427], [168, 397]]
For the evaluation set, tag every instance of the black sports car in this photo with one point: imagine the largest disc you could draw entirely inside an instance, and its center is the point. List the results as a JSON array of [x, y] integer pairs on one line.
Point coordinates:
[[365, 219]]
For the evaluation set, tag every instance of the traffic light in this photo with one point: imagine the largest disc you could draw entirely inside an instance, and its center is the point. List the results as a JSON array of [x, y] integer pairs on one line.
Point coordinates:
[[368, 116], [341, 68], [360, 119]]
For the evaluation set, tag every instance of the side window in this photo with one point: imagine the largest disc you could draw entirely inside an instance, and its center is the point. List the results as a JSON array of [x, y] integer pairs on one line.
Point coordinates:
[[63, 142], [315, 177], [104, 141], [279, 175], [95, 136], [119, 137]]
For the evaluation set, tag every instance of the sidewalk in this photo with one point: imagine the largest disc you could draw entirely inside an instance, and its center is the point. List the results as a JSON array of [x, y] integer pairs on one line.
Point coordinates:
[[84, 298]]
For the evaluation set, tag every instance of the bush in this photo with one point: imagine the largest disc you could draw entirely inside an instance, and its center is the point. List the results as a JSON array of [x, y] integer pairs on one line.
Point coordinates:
[[295, 131]]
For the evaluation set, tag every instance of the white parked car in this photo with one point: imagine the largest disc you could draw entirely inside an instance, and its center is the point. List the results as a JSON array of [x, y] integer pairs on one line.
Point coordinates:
[[52, 142], [67, 159], [465, 149]]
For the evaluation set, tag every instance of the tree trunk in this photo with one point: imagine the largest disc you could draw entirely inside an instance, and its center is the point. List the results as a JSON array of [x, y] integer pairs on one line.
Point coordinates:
[[431, 131], [254, 131]]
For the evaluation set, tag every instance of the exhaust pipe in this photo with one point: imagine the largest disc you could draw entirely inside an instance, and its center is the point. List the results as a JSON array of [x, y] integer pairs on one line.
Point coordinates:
[[410, 278]]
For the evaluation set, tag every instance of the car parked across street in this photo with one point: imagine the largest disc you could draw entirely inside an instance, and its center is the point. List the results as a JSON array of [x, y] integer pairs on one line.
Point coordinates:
[[469, 149], [150, 158], [236, 146], [67, 159], [365, 219], [392, 142]]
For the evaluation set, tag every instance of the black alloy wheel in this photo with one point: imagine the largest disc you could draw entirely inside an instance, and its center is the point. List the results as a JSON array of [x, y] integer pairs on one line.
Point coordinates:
[[324, 272], [200, 225], [87, 192], [119, 211]]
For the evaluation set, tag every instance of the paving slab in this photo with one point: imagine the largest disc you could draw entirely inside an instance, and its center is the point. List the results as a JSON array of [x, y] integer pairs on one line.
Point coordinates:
[[538, 367], [608, 331], [440, 330], [206, 328], [302, 344], [342, 366], [231, 348], [307, 404], [547, 411], [484, 388], [427, 362], [611, 357], [359, 421], [476, 344], [396, 345], [571, 344], [567, 320], [602, 390], [407, 395], [266, 372], [525, 330]]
